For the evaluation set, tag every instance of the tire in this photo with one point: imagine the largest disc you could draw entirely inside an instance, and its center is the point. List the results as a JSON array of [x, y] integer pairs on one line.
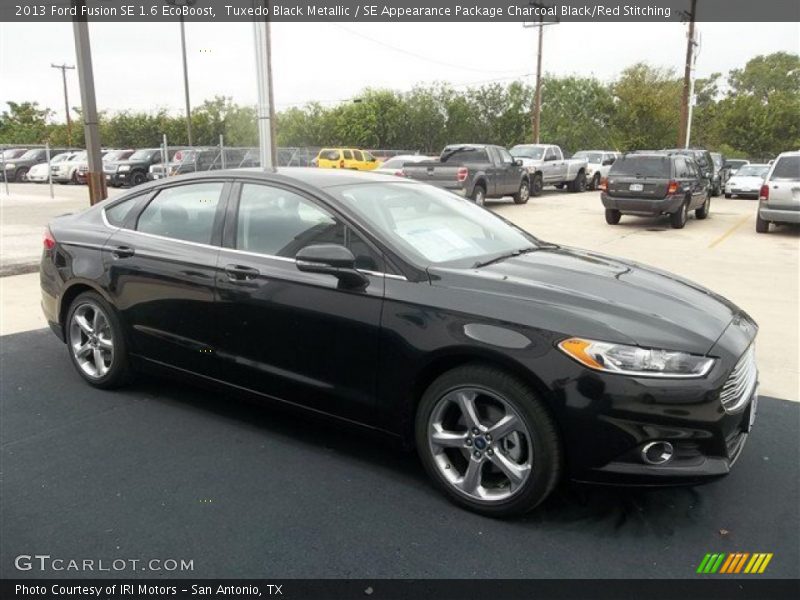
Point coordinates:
[[515, 471], [101, 334], [595, 182], [524, 193], [728, 196], [762, 226], [716, 191], [479, 195], [613, 216], [74, 179], [138, 178], [536, 185], [678, 219], [21, 174], [578, 184], [702, 212]]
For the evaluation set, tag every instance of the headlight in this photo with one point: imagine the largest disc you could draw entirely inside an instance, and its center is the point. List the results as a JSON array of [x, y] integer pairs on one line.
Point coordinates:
[[633, 360], [123, 168], [11, 166]]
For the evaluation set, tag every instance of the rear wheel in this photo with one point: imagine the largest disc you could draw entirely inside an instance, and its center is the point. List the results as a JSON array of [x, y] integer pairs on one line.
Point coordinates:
[[96, 342], [762, 226], [537, 185], [521, 197], [613, 216], [702, 212], [595, 181], [579, 183], [487, 441], [21, 174], [679, 217], [479, 195]]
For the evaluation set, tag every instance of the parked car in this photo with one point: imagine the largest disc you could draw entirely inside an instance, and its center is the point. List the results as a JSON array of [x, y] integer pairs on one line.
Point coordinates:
[[394, 165], [510, 363], [747, 181], [346, 158], [133, 170], [779, 198], [734, 164], [598, 164], [546, 165], [17, 168], [476, 171], [193, 160], [12, 153], [40, 173], [66, 171], [662, 183], [703, 160], [109, 155]]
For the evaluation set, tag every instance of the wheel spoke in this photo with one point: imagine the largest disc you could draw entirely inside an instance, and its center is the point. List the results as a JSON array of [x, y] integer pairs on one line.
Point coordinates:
[[516, 473], [99, 362], [448, 439], [104, 343], [98, 321], [83, 324], [472, 477], [466, 402], [81, 351], [503, 427]]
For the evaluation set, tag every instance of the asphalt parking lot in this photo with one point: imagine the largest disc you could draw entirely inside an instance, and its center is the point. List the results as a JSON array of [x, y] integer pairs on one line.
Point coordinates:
[[167, 470]]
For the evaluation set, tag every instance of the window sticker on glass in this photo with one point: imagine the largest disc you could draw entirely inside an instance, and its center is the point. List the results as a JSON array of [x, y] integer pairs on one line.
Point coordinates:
[[437, 244]]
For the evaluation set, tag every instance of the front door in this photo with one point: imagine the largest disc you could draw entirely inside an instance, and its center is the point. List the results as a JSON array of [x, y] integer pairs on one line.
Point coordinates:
[[288, 334]]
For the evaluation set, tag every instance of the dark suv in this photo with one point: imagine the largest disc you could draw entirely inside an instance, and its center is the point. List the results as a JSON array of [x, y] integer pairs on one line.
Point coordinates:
[[656, 183], [133, 170], [17, 169], [705, 161]]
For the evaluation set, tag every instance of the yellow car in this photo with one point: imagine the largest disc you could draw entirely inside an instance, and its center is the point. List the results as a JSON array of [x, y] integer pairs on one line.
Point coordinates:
[[346, 158]]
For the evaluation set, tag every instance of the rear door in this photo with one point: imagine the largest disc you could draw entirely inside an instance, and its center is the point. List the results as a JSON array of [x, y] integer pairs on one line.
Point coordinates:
[[784, 183], [510, 172], [349, 159], [161, 267], [551, 167], [289, 334], [640, 176]]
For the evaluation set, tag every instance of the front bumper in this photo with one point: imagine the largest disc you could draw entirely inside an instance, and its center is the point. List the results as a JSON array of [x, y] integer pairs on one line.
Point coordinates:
[[117, 179], [775, 215], [646, 207]]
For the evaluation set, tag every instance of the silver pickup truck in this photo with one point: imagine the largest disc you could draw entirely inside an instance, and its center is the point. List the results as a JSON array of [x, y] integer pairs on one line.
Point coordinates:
[[546, 165]]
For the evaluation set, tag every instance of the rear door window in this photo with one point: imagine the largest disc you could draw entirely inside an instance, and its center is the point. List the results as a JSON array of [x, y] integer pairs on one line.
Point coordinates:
[[348, 155], [358, 156], [184, 212]]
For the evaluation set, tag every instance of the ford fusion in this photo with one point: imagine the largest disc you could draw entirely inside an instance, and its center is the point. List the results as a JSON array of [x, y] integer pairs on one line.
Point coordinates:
[[508, 362]]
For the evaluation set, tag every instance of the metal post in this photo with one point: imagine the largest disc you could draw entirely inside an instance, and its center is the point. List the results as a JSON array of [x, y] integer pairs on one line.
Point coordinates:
[[49, 172], [537, 109], [165, 155], [83, 52], [266, 114], [3, 166], [222, 151], [186, 83]]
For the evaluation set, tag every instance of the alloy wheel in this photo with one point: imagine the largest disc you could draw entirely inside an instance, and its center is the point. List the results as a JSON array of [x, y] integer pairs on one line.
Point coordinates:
[[91, 341], [480, 444]]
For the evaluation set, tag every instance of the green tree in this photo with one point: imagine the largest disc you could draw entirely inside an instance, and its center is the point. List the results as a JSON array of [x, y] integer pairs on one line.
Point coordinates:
[[24, 123]]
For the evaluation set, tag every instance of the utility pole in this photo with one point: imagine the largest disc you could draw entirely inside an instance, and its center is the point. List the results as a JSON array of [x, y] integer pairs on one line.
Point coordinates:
[[687, 76], [185, 69], [83, 53], [266, 106], [537, 100], [64, 68]]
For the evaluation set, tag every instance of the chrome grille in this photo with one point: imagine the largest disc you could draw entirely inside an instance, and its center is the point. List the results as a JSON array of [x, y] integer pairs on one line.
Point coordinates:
[[109, 168], [742, 382]]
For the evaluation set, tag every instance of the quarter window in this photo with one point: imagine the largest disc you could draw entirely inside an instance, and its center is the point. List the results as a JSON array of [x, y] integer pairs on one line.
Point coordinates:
[[278, 222], [117, 213], [184, 212], [358, 156]]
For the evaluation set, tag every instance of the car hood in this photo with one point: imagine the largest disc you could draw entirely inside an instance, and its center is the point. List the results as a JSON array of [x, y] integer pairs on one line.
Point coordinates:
[[751, 181], [118, 163], [580, 293]]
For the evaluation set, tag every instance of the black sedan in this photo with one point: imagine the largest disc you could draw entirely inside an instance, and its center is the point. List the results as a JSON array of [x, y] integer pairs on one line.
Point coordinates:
[[510, 363]]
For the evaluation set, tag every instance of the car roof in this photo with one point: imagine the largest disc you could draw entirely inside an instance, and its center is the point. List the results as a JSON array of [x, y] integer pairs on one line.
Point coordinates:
[[321, 178], [790, 153]]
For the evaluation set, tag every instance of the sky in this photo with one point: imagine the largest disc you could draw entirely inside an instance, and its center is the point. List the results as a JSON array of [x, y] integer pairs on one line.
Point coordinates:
[[138, 66]]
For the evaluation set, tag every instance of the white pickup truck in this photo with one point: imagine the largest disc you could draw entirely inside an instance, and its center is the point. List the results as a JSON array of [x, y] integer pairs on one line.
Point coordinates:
[[546, 165]]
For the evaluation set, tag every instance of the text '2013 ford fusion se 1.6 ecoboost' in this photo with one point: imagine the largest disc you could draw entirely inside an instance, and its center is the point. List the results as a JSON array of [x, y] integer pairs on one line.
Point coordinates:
[[508, 362]]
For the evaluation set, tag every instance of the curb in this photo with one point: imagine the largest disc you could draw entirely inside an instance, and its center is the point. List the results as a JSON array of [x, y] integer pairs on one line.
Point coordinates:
[[19, 269]]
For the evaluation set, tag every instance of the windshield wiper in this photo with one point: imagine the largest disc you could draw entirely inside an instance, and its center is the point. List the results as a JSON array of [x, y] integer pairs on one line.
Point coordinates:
[[479, 264]]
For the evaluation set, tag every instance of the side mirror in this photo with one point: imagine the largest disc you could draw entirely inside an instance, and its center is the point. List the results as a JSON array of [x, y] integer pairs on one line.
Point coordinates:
[[518, 162], [331, 259]]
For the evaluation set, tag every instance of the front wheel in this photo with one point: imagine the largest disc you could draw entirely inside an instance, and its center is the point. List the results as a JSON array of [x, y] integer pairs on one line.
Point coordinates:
[[524, 192], [96, 342], [595, 182], [536, 185], [138, 178], [487, 441], [702, 212]]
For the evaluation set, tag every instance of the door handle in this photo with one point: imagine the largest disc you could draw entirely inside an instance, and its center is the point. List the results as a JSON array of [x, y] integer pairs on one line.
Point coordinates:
[[240, 273], [123, 252]]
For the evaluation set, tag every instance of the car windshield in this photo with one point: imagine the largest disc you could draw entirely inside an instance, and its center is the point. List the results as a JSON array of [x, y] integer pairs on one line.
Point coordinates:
[[432, 225], [592, 157], [30, 154], [117, 155], [79, 156], [735, 164], [788, 167], [60, 157], [752, 171], [641, 166], [141, 155], [329, 154], [717, 158], [527, 152]]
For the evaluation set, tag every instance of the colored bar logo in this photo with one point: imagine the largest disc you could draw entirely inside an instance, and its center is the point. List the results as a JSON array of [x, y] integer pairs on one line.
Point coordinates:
[[735, 562]]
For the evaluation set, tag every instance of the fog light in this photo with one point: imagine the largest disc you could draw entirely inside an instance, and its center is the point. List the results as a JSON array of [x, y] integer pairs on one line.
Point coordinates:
[[657, 453]]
